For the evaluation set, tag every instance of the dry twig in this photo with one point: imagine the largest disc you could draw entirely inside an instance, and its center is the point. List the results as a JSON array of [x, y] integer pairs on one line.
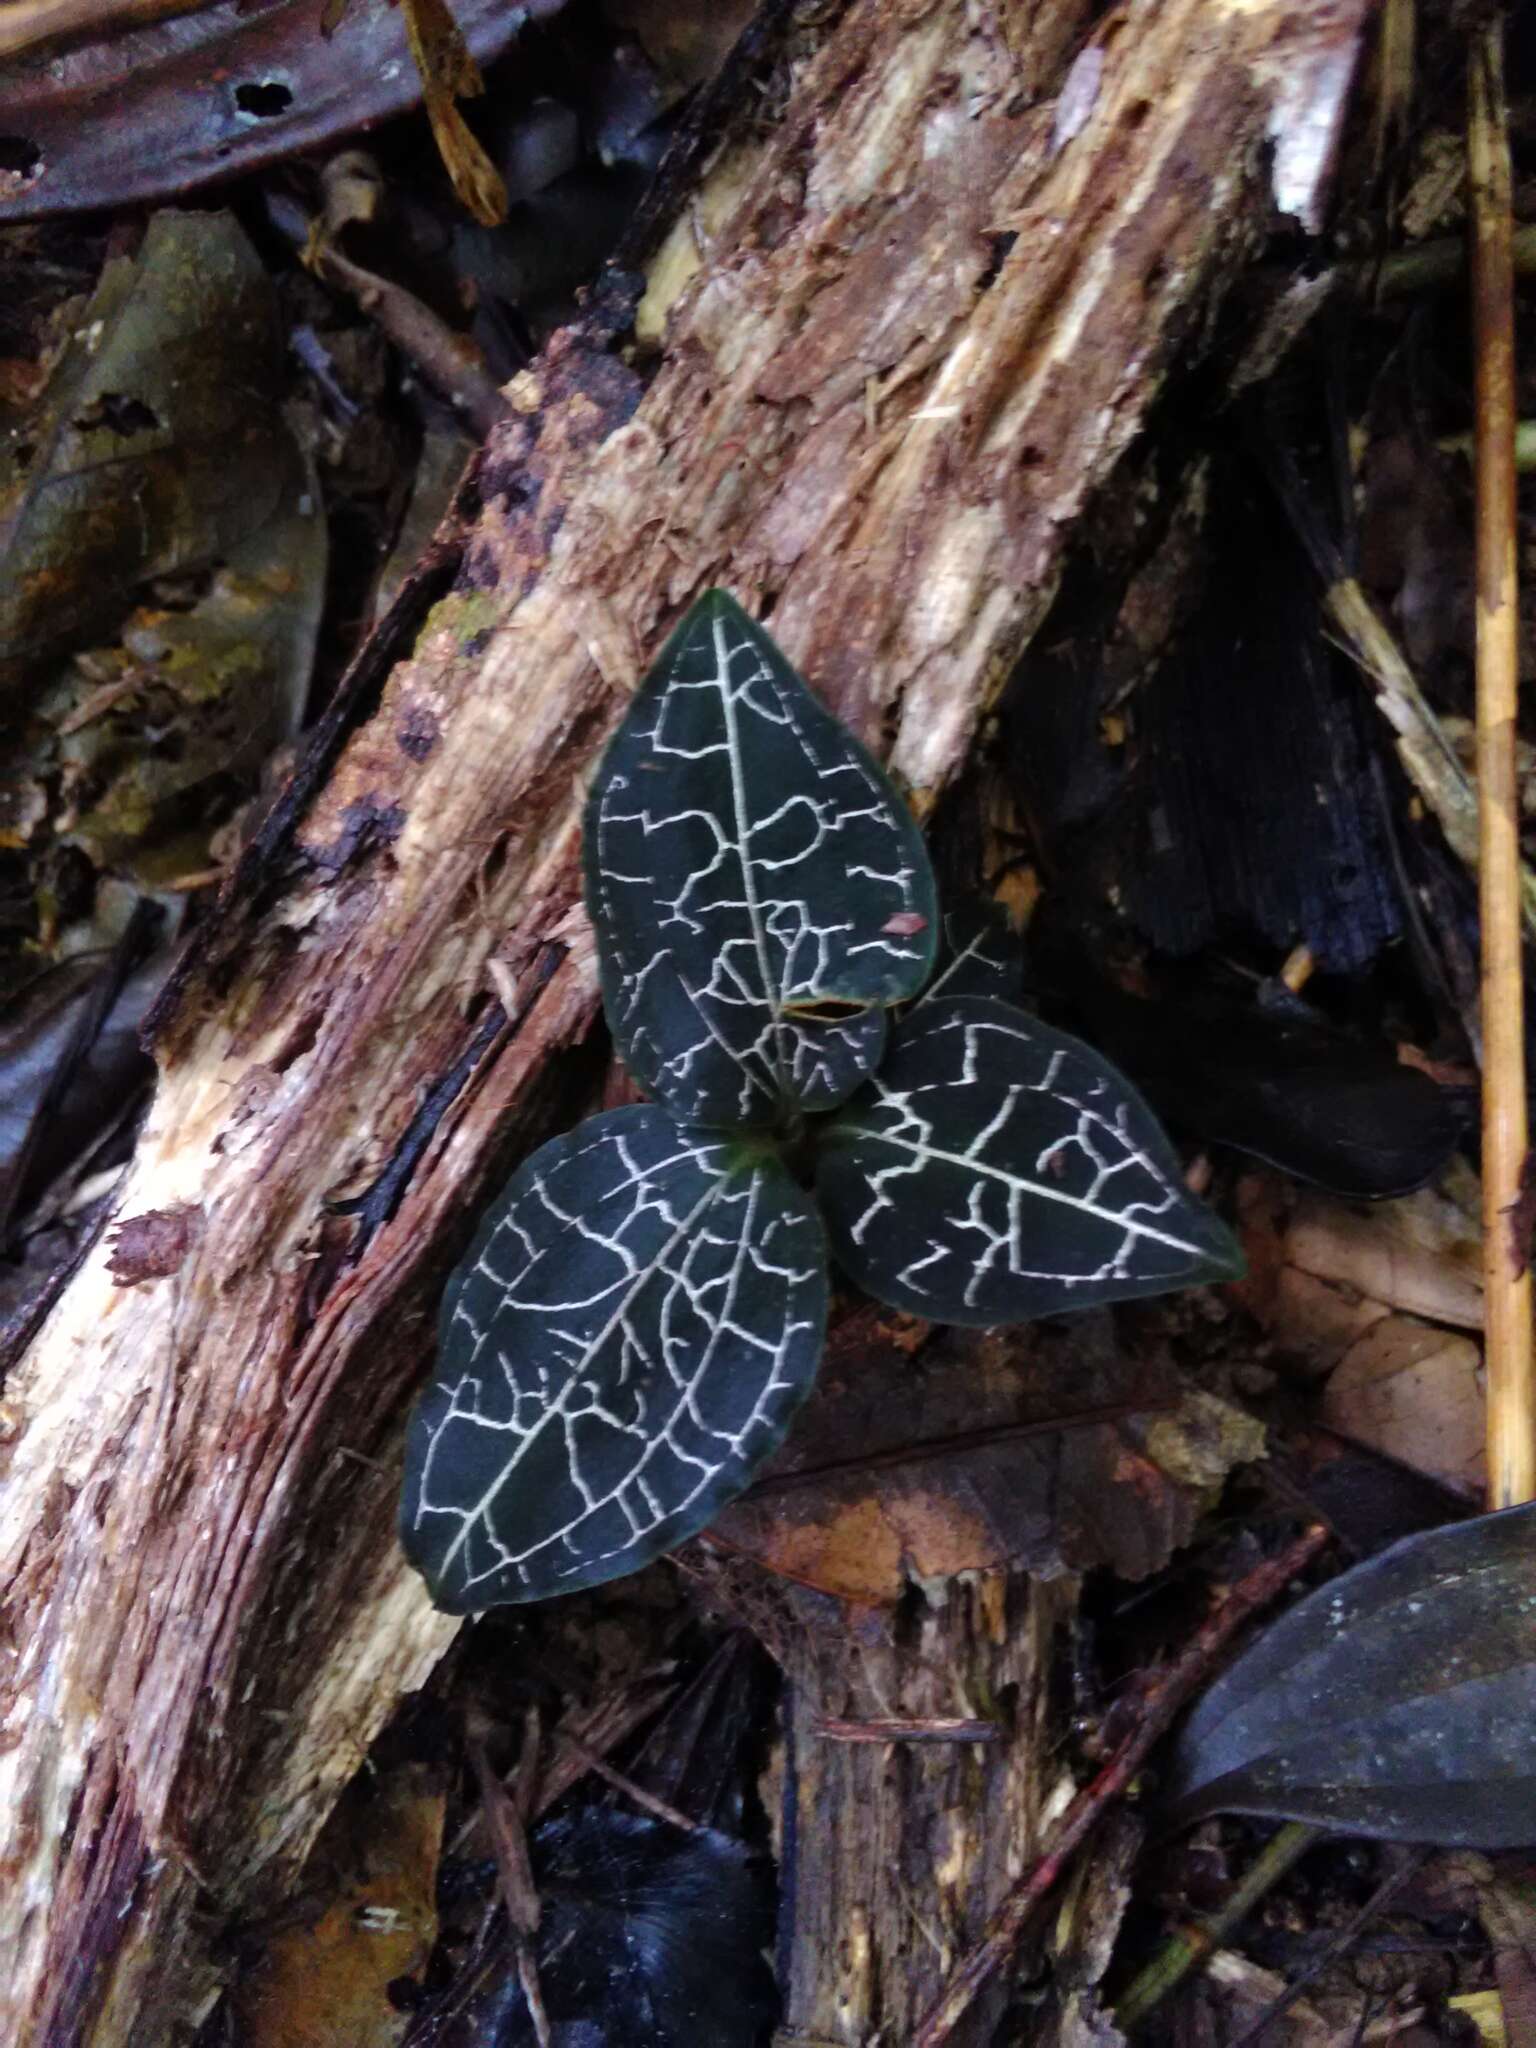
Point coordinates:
[[660, 1809], [506, 1814]]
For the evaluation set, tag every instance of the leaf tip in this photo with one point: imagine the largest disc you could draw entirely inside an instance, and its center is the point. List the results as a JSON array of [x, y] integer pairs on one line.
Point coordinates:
[[1228, 1260]]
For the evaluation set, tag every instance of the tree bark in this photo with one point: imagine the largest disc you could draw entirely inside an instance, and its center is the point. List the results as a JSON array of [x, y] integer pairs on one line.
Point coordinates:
[[906, 332]]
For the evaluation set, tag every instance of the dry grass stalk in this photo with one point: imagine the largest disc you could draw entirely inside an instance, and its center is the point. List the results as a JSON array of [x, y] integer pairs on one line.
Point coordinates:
[[1511, 1407]]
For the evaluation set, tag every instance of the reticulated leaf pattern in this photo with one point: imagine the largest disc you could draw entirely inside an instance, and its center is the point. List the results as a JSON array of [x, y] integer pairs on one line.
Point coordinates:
[[996, 1170], [625, 1341], [760, 893], [980, 954]]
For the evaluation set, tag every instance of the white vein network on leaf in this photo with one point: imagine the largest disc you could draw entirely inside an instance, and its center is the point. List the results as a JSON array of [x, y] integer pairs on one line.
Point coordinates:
[[722, 920], [972, 1213], [615, 1362]]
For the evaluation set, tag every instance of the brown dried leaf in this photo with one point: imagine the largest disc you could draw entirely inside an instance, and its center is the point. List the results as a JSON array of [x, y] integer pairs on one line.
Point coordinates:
[[449, 73], [323, 1983], [1415, 1393], [967, 1456], [1420, 1254], [163, 108]]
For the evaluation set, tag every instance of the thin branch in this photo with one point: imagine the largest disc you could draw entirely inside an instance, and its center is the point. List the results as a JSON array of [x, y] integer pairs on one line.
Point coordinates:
[[1348, 1933], [1167, 1695], [1506, 1280], [659, 1808], [506, 1815]]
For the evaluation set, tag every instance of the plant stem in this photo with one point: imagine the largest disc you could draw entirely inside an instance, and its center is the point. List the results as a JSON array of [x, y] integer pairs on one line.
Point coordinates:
[[1424, 265], [1167, 1695], [1188, 1949], [1506, 1279]]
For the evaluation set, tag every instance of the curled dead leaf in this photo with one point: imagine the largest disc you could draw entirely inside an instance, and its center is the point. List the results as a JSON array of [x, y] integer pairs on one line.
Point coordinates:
[[449, 73]]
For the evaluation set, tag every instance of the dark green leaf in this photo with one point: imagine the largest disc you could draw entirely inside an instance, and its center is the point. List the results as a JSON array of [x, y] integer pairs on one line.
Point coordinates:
[[760, 892], [627, 1338], [996, 1170], [1397, 1701]]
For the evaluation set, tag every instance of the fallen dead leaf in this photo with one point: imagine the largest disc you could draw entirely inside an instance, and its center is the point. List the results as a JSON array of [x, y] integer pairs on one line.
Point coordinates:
[[1414, 1392], [449, 73], [323, 1982], [1420, 1254], [1042, 1447]]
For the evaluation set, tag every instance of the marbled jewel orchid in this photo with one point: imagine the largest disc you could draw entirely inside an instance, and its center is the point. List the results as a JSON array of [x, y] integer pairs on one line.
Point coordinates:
[[643, 1308]]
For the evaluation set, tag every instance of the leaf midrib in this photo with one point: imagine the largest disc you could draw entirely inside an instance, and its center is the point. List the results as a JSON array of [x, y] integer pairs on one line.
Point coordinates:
[[559, 1407], [1078, 1203], [772, 995]]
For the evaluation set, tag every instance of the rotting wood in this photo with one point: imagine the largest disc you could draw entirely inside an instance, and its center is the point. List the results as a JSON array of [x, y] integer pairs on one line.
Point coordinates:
[[1165, 1694], [894, 1853], [916, 341]]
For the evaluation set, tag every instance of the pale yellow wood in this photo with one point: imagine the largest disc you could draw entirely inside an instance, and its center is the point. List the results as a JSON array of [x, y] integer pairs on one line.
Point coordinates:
[[1507, 1285]]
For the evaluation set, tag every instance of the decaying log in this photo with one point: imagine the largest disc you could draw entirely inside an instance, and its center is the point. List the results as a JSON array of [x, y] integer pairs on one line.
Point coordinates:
[[909, 324], [895, 1852]]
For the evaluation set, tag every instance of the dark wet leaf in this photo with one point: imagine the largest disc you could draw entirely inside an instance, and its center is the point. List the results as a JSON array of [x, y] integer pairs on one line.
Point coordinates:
[[1397, 1701], [1247, 797], [163, 108], [158, 445], [760, 892], [626, 1340], [649, 1937], [995, 1170], [1283, 1086], [44, 1035], [70, 1063]]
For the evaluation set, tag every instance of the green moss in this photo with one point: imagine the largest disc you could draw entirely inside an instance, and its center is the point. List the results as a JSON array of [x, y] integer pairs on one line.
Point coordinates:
[[465, 615]]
